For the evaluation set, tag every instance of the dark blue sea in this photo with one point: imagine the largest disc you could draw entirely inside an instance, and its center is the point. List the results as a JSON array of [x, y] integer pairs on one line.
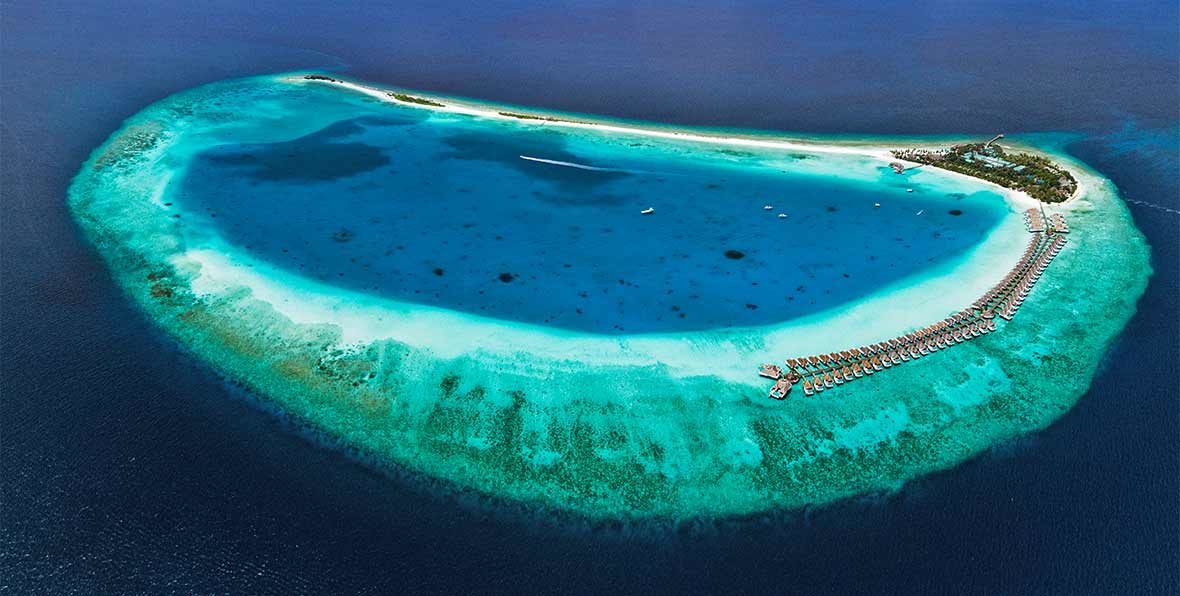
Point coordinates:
[[126, 467]]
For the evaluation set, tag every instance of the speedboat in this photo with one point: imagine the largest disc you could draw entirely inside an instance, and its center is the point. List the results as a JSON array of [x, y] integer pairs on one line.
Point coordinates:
[[782, 215], [876, 205], [648, 211], [768, 207]]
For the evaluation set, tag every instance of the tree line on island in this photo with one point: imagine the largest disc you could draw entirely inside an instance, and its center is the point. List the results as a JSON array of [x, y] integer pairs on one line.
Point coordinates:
[[402, 97], [1035, 175]]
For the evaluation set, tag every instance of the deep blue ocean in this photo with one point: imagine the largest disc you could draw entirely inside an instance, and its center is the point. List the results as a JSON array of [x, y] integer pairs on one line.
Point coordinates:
[[127, 467]]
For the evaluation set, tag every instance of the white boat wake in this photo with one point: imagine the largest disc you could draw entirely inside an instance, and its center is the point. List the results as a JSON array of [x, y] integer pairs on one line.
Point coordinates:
[[569, 164]]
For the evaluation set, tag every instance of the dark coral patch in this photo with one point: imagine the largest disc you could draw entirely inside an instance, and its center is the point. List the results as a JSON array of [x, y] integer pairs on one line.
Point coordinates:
[[317, 157]]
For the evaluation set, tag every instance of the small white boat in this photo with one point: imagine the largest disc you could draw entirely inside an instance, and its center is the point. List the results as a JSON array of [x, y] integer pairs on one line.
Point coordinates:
[[782, 215], [920, 212], [648, 211], [876, 205], [909, 190], [768, 207]]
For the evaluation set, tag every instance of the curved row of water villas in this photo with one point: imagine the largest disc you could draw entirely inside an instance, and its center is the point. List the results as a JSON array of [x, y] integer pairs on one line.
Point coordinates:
[[1007, 296], [825, 371]]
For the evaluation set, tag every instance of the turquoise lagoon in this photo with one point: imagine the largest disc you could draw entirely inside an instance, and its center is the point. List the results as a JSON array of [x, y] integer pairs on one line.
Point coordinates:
[[444, 211], [478, 299]]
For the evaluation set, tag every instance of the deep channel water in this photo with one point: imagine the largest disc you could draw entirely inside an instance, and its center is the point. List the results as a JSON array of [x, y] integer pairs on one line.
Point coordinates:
[[443, 211], [670, 425]]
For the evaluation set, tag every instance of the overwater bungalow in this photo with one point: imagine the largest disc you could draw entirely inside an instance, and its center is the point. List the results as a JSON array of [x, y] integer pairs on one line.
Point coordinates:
[[781, 388]]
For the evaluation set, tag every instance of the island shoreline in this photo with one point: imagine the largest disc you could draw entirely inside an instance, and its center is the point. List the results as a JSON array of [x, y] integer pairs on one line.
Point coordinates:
[[785, 142]]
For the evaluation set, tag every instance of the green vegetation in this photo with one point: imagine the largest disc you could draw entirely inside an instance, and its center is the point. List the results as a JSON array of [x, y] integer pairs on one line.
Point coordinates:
[[414, 99], [398, 96], [530, 117], [1040, 178]]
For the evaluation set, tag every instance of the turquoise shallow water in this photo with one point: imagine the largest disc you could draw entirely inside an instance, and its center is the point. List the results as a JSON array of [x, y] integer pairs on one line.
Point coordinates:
[[651, 427], [442, 210]]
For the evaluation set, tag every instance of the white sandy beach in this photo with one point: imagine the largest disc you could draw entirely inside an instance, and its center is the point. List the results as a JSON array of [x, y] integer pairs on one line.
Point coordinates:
[[878, 152]]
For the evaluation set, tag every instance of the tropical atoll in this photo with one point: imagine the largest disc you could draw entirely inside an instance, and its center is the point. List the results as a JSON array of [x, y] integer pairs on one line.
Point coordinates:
[[583, 417]]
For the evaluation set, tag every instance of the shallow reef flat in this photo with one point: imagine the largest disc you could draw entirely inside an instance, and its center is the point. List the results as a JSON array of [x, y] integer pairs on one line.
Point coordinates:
[[665, 425]]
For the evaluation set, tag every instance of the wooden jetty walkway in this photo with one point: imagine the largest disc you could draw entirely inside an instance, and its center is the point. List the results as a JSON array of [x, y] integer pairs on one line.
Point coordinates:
[[822, 372]]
